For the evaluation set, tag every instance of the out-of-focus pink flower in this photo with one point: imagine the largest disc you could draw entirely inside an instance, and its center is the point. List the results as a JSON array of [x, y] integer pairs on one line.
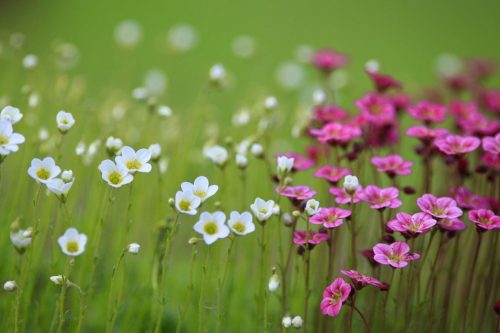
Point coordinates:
[[330, 217], [463, 110], [380, 198], [336, 133], [480, 68], [468, 200], [392, 165], [300, 162], [334, 296], [413, 225], [376, 108], [331, 173], [299, 192], [484, 219], [478, 124], [396, 254], [456, 144], [451, 224], [383, 82], [360, 280], [401, 101], [492, 144], [328, 60], [300, 237], [342, 197], [428, 112], [329, 113], [491, 100], [492, 161], [443, 207], [425, 133]]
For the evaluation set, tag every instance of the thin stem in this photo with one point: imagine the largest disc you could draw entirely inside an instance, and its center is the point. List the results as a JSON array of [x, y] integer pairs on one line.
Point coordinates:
[[67, 272], [307, 262], [112, 311], [202, 291], [353, 236], [365, 322], [220, 286], [470, 280], [182, 312]]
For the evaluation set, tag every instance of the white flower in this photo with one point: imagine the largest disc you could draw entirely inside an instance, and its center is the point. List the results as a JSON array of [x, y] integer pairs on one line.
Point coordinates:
[[21, 239], [10, 286], [257, 150], [67, 176], [217, 74], [186, 202], [297, 322], [57, 279], [262, 209], [114, 174], [140, 93], [200, 188], [182, 37], [285, 165], [11, 114], [72, 243], [286, 321], [9, 140], [270, 103], [64, 121], [80, 148], [133, 248], [155, 150], [242, 147], [312, 207], [212, 226], [59, 187], [372, 66], [274, 282], [30, 61], [113, 145], [217, 154], [43, 170], [163, 165], [134, 161], [241, 224], [128, 33], [351, 183], [240, 118], [319, 97], [243, 46], [241, 161], [276, 209], [43, 134], [164, 111]]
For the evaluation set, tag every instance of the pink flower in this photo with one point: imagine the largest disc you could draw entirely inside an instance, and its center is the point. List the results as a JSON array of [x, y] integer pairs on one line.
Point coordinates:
[[396, 254], [330, 217], [426, 134], [451, 224], [342, 197], [392, 165], [400, 101], [463, 110], [300, 237], [491, 100], [428, 112], [492, 161], [492, 144], [383, 82], [380, 198], [376, 108], [468, 200], [329, 113], [484, 219], [334, 296], [442, 207], [415, 224], [299, 192], [456, 144], [361, 280], [300, 162], [336, 133], [328, 60], [331, 173]]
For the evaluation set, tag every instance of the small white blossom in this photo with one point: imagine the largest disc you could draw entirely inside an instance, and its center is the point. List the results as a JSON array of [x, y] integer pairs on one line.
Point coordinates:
[[134, 161], [30, 61], [21, 239], [43, 134], [43, 170], [10, 286], [67, 176], [312, 207], [200, 188], [57, 279], [217, 74], [128, 33], [297, 322], [241, 161], [319, 97], [114, 174], [274, 282], [64, 121], [351, 183], [59, 187], [164, 111], [212, 227], [270, 103], [9, 140], [186, 202], [262, 209], [72, 243], [11, 114], [241, 224], [163, 165], [257, 150], [217, 154], [155, 150], [286, 321], [113, 145], [285, 165], [133, 248]]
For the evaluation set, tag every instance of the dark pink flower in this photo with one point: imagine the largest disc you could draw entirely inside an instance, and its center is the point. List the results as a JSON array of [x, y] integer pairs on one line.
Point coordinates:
[[330, 217], [492, 161], [428, 112], [380, 198], [328, 60], [392, 165], [468, 200], [491, 100], [478, 124], [361, 280], [334, 296], [492, 144], [342, 197], [300, 237], [331, 173], [336, 133], [463, 110], [299, 192], [484, 219], [401, 101], [442, 207], [396, 254], [451, 224], [456, 144], [376, 108], [329, 113], [383, 82], [300, 162], [415, 224], [426, 134]]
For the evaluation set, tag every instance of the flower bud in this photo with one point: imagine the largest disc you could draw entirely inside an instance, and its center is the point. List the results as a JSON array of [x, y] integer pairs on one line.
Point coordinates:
[[270, 103], [257, 150], [319, 97], [351, 184], [312, 207], [67, 176], [10, 286], [133, 248], [193, 240], [241, 161], [297, 322], [286, 321], [57, 279], [171, 202], [285, 165], [296, 213], [274, 282], [155, 150], [217, 74]]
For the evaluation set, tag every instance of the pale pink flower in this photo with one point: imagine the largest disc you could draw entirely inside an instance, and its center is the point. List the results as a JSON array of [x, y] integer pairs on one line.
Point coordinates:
[[336, 133], [468, 200], [425, 133], [456, 144], [334, 296], [492, 144], [360, 280], [330, 217], [396, 254], [392, 165], [451, 224], [484, 219], [413, 225], [342, 197], [331, 173], [443, 207], [299, 192], [380, 198], [300, 237]]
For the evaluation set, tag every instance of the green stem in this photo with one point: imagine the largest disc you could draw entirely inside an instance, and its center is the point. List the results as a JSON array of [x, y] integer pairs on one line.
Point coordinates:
[[202, 291], [220, 286], [112, 308], [67, 272]]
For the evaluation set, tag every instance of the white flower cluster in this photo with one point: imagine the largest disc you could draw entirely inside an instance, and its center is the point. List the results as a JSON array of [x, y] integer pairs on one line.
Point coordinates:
[[127, 163]]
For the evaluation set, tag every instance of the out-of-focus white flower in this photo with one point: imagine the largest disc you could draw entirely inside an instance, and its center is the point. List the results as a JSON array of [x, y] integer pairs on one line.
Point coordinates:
[[372, 65], [133, 248], [186, 202], [276, 209], [447, 65], [241, 224], [21, 239], [72, 243], [182, 37], [290, 75], [285, 165], [243, 46], [217, 154], [163, 165], [118, 112], [286, 321], [270, 103], [9, 140], [113, 145], [155, 150], [16, 40], [10, 286], [128, 33], [241, 117], [351, 183], [140, 93], [200, 188], [114, 174], [164, 111], [217, 74], [212, 227], [33, 100], [319, 97], [80, 148], [257, 150], [155, 82], [312, 207], [43, 134], [43, 170], [242, 147], [64, 121], [297, 322], [274, 282], [67, 176], [59, 188], [58, 279], [262, 209], [304, 53], [30, 61], [11, 114], [134, 161], [66, 55], [241, 161]]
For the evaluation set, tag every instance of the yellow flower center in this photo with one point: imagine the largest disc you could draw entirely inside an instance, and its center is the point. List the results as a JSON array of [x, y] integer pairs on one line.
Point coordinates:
[[336, 297], [72, 247], [200, 193], [438, 210], [43, 173], [3, 140], [184, 205], [484, 220], [210, 228], [239, 227], [395, 257], [64, 121], [115, 177], [263, 211], [133, 164]]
